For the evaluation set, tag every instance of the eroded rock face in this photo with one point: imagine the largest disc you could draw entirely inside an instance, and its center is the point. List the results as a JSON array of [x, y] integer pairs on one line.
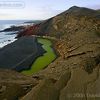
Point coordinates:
[[48, 89], [13, 85]]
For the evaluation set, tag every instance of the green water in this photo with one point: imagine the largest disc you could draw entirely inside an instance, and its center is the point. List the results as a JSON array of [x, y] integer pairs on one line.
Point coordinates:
[[42, 61]]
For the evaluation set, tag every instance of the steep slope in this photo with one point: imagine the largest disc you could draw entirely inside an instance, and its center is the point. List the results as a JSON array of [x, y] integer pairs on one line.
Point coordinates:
[[69, 22], [14, 85]]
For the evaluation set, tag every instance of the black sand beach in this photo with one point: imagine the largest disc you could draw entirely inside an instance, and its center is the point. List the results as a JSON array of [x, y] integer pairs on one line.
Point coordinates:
[[20, 54]]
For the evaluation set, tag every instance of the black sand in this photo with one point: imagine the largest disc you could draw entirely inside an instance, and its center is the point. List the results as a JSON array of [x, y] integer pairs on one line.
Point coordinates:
[[20, 54]]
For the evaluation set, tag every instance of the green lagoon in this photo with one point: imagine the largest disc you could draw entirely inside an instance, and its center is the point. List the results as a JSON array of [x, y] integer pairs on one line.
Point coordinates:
[[42, 61]]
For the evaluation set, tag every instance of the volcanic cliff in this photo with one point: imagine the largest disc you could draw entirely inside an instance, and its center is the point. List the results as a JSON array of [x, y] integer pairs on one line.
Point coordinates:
[[75, 19]]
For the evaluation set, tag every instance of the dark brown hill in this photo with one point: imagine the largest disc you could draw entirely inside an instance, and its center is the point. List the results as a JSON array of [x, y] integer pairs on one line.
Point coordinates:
[[69, 22]]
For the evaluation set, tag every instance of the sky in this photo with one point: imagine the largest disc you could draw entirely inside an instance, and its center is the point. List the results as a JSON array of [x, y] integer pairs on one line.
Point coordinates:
[[40, 9]]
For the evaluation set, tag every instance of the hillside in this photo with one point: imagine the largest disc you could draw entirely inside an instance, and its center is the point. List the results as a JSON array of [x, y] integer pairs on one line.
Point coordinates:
[[75, 19]]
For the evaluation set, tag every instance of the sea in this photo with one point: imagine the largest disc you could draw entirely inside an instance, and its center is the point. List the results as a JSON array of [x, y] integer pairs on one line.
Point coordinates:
[[9, 37]]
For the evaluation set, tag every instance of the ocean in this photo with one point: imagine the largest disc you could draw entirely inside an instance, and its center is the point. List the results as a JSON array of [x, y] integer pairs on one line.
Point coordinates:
[[9, 37]]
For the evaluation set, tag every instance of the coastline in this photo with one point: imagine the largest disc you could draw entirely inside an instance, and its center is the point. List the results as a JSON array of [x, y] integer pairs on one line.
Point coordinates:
[[18, 51]]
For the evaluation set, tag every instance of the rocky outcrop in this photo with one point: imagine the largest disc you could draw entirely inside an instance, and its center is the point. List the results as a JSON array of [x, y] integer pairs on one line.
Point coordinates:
[[29, 31], [14, 85], [13, 28], [48, 89]]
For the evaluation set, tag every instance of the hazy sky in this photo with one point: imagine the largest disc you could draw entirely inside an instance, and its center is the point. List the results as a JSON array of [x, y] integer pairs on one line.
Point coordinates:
[[40, 9]]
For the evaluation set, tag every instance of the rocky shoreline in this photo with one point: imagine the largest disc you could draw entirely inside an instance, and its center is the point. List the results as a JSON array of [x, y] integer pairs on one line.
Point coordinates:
[[13, 28]]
